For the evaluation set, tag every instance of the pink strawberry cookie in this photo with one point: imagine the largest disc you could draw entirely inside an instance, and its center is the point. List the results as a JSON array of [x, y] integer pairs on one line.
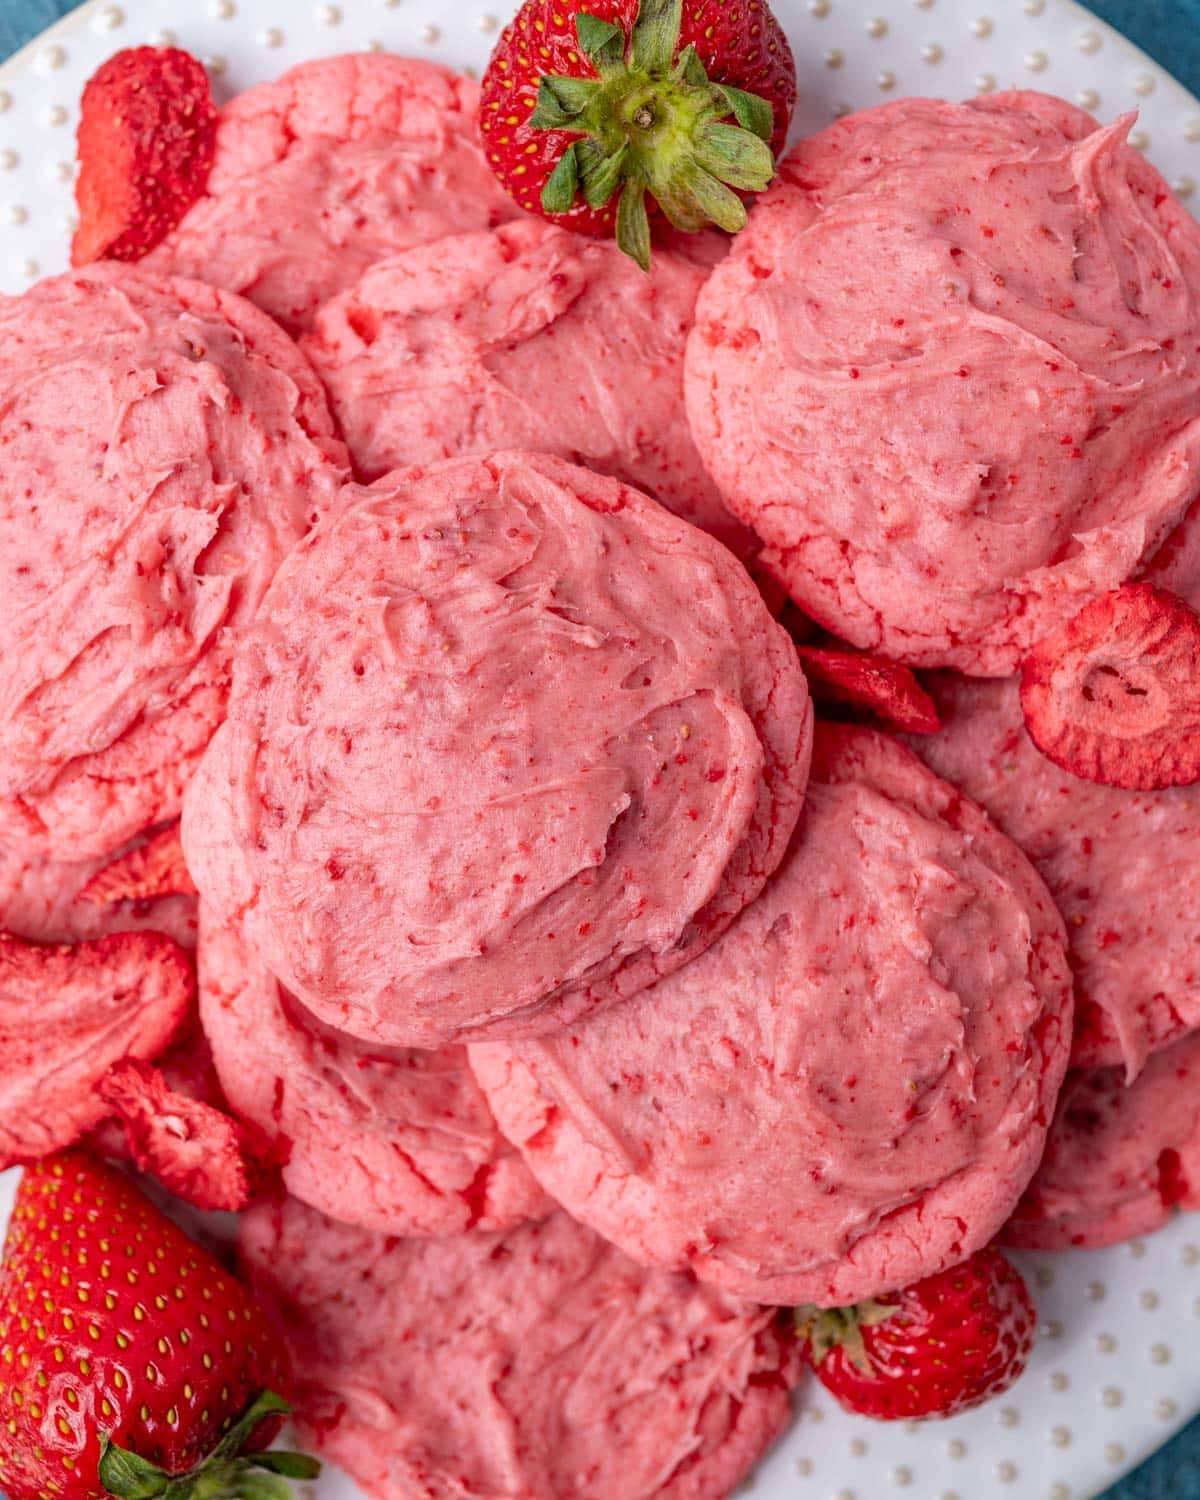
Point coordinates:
[[1124, 868], [846, 1093], [1119, 1160], [527, 337], [337, 164], [507, 743], [950, 373], [399, 1141], [541, 1363], [164, 446]]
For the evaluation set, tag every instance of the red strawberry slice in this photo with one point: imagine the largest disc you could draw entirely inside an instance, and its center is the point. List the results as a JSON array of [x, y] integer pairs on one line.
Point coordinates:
[[190, 1147], [595, 114], [883, 688], [67, 1013], [1113, 696], [146, 140], [152, 870], [935, 1349]]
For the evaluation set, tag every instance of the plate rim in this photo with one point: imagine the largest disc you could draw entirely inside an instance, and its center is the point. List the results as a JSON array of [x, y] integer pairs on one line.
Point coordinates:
[[82, 13]]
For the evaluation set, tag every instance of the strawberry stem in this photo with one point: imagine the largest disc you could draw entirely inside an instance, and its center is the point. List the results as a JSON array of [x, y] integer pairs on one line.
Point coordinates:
[[226, 1474], [654, 124]]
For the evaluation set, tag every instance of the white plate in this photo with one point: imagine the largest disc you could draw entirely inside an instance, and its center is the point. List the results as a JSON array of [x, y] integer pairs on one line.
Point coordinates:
[[1117, 1369]]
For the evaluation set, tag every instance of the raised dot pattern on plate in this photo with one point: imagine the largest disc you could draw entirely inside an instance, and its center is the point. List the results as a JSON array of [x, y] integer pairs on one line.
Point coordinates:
[[1113, 1374]]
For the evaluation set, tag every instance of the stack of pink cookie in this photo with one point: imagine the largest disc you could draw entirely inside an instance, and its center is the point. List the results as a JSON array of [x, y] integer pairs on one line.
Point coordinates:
[[510, 902], [579, 1003]]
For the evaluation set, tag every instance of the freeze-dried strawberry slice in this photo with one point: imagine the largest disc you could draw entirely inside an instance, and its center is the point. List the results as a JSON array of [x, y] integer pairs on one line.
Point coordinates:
[[187, 1068], [192, 1148], [147, 135], [882, 688], [67, 1013], [152, 870], [1114, 695]]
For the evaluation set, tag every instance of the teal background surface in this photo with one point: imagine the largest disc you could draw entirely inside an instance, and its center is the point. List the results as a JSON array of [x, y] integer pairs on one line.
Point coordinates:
[[1170, 31]]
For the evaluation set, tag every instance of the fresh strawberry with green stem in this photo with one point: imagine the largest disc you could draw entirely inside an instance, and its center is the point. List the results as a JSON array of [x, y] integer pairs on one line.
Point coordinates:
[[593, 115], [940, 1347], [131, 1362]]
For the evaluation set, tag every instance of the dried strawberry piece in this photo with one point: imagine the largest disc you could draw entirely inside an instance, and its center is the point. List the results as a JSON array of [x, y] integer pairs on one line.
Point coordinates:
[[187, 1067], [152, 870], [1113, 696], [882, 688], [146, 140], [67, 1013], [192, 1148]]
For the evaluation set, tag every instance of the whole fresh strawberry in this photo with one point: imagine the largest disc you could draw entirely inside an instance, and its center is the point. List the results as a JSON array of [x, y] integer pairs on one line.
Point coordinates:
[[131, 1362], [593, 113], [935, 1349]]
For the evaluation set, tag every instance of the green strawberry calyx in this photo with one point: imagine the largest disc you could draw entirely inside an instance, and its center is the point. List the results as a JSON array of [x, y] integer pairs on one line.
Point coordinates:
[[824, 1329], [226, 1474], [652, 122]]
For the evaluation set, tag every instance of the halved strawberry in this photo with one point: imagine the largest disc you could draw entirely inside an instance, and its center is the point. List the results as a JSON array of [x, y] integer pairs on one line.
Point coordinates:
[[935, 1349], [146, 140], [1113, 696], [595, 113], [856, 679]]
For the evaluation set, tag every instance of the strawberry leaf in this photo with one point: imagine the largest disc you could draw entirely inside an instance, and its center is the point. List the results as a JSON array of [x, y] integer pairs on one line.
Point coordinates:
[[656, 34], [290, 1465], [603, 42], [267, 1405], [561, 101], [601, 175], [129, 1476], [694, 195], [558, 195], [751, 112], [260, 1486], [633, 224], [690, 69], [736, 157]]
